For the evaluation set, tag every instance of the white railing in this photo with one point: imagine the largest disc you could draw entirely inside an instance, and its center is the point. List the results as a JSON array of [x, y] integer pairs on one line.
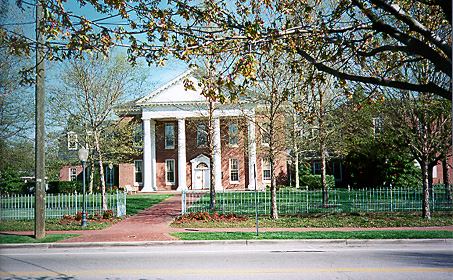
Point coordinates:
[[302, 201], [22, 207]]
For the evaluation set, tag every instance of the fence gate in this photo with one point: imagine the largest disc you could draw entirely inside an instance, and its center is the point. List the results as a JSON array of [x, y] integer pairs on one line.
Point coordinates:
[[120, 204]]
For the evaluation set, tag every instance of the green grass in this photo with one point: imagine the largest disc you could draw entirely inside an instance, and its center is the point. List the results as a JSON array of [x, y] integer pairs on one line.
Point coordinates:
[[137, 203], [134, 204], [52, 224], [4, 239], [404, 234], [292, 201], [366, 220]]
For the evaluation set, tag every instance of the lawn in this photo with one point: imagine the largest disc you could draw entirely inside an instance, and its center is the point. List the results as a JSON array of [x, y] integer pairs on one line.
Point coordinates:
[[300, 201], [396, 234], [28, 239], [134, 204], [365, 220], [137, 203]]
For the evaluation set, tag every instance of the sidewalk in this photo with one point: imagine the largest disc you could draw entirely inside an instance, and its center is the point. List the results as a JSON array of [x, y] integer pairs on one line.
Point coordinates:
[[153, 224]]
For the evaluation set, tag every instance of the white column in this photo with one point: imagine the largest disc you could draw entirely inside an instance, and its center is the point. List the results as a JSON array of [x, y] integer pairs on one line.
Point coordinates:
[[217, 156], [153, 156], [182, 185], [252, 153], [147, 167]]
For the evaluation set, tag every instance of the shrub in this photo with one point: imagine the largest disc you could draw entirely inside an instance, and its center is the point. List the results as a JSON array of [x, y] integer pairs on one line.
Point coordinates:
[[314, 181], [70, 187], [107, 214], [78, 216]]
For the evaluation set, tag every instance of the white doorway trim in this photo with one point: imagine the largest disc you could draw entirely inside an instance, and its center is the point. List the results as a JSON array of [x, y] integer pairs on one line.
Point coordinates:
[[201, 168]]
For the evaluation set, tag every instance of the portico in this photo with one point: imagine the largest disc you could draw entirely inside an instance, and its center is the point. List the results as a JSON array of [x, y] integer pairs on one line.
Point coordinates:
[[175, 111]]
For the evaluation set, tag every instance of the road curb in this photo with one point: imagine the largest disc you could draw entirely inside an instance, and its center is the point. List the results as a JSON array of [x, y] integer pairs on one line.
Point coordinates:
[[325, 242]]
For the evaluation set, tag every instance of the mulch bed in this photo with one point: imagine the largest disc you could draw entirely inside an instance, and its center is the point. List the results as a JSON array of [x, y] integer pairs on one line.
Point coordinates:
[[203, 217]]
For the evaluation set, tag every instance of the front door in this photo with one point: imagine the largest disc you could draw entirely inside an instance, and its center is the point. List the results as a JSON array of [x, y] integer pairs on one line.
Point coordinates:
[[202, 178]]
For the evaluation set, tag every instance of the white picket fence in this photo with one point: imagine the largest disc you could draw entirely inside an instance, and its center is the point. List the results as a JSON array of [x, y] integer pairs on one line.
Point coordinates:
[[22, 207]]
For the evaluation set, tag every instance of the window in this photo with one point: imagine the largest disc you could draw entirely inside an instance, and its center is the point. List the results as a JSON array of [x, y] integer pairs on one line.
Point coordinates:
[[138, 169], [169, 136], [265, 136], [170, 171], [377, 125], [201, 136], [317, 168], [233, 134], [266, 169], [138, 136], [73, 173], [234, 170], [72, 141], [337, 173]]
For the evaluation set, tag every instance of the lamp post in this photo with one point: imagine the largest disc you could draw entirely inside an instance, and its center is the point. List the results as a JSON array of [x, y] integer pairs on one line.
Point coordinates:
[[83, 156], [111, 167]]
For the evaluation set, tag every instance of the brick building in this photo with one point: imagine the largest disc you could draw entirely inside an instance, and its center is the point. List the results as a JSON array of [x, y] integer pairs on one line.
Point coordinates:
[[175, 149]]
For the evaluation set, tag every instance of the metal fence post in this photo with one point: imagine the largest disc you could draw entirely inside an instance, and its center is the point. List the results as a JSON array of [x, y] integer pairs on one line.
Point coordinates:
[[391, 198], [183, 202], [349, 199]]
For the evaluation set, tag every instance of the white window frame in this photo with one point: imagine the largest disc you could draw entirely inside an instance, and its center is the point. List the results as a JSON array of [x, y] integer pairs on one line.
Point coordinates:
[[167, 172], [138, 171], [233, 140], [72, 174], [138, 136], [266, 166], [234, 170], [72, 141], [202, 134], [169, 137]]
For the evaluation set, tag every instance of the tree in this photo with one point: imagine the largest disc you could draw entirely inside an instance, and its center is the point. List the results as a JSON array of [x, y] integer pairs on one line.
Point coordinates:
[[16, 98], [272, 87], [376, 156], [375, 42], [423, 123], [317, 106], [89, 91]]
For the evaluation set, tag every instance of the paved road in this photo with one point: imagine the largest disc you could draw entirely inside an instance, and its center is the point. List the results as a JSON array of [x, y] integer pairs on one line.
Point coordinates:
[[215, 261]]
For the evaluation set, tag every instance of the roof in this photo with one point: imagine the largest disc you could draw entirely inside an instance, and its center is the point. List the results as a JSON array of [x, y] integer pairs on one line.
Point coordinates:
[[175, 92]]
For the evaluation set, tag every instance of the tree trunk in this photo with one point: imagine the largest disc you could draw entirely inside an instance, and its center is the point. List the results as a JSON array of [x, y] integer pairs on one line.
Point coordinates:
[[296, 154], [296, 167], [212, 204], [426, 213], [90, 188], [430, 184], [325, 194], [274, 210], [446, 178], [101, 170]]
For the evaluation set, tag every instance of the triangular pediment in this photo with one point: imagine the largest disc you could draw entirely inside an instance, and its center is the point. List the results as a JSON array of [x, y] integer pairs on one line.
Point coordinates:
[[200, 158], [175, 92]]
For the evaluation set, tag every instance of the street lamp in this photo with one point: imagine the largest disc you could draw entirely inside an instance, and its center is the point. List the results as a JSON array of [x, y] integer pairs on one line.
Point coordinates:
[[83, 156], [111, 167]]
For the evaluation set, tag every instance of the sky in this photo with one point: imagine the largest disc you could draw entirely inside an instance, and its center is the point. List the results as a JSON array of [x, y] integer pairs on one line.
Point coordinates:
[[158, 76]]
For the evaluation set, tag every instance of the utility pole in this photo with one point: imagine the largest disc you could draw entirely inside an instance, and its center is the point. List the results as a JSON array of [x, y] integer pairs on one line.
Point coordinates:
[[40, 186]]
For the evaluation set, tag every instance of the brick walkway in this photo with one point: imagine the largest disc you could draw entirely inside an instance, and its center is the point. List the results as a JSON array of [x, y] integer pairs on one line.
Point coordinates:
[[153, 224]]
